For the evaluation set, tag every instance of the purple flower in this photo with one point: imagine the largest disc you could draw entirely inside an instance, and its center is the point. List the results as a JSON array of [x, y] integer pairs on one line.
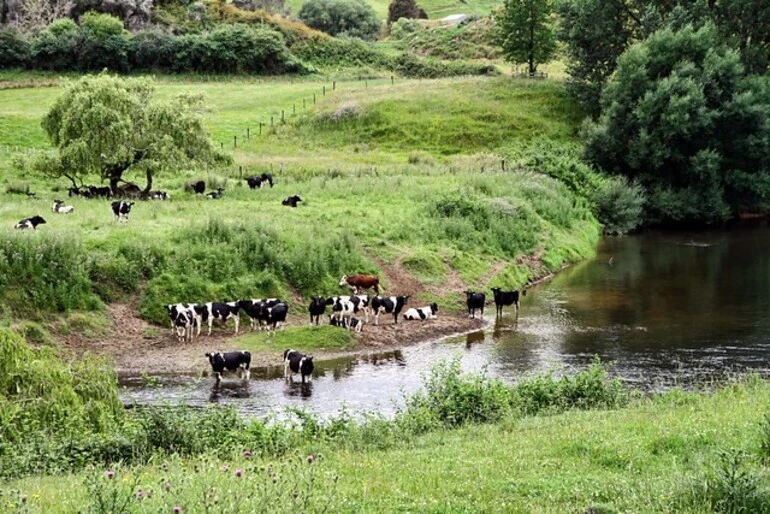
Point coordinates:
[[139, 495], [238, 472], [110, 474], [247, 453], [310, 459], [177, 509]]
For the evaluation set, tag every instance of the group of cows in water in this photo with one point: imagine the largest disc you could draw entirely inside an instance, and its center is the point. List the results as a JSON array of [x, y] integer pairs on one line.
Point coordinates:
[[272, 312], [121, 208]]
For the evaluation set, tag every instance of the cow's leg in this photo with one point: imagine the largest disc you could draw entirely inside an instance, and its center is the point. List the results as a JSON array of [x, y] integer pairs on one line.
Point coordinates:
[[377, 318], [237, 323], [211, 320], [219, 376]]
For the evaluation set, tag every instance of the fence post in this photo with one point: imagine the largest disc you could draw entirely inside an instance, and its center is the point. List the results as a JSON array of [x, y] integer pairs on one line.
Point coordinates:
[[283, 120], [324, 89], [313, 98], [366, 83], [260, 128], [235, 141], [293, 109], [248, 136], [392, 80], [222, 145], [503, 164], [271, 122], [334, 85], [303, 103], [240, 171]]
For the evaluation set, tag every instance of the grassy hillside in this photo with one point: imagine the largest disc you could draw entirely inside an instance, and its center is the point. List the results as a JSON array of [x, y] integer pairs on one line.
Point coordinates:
[[436, 9], [404, 172], [680, 452]]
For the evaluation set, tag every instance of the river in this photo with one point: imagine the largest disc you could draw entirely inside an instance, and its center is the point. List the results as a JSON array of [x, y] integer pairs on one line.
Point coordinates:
[[662, 308]]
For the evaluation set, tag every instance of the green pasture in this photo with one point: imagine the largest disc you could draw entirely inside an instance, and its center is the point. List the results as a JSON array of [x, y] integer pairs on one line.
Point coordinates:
[[436, 9]]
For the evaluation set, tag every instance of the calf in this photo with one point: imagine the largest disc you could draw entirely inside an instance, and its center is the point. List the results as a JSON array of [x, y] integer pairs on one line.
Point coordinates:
[[184, 322], [474, 301], [291, 201], [32, 223], [355, 325], [199, 187], [216, 194], [121, 210], [230, 361], [59, 207], [503, 298], [316, 308], [388, 304], [222, 312], [422, 313], [254, 182], [194, 310], [343, 310], [274, 315], [253, 307], [297, 362]]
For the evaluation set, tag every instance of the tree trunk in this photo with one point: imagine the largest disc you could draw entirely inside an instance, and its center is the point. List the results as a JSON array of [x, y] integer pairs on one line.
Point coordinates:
[[148, 173], [114, 179]]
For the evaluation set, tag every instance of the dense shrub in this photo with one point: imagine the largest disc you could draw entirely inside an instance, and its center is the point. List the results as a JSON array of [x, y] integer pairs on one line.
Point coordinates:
[[14, 49], [152, 50], [404, 9], [619, 205], [412, 66], [663, 120], [331, 52], [55, 48], [351, 18]]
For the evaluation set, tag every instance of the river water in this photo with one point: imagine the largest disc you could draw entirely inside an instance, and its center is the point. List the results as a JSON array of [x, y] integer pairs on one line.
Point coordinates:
[[661, 308]]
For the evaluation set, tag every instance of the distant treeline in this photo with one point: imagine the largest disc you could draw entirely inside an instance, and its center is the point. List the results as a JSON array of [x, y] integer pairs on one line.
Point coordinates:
[[100, 42]]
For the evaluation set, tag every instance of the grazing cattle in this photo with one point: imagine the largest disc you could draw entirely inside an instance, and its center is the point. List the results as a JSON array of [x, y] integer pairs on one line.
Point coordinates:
[[388, 304], [159, 195], [343, 310], [32, 223], [297, 362], [74, 191], [422, 313], [253, 307], [194, 310], [291, 201], [230, 361], [274, 315], [221, 312], [254, 182], [216, 194], [474, 301], [355, 325], [316, 308], [121, 210], [358, 282], [60, 208], [184, 322], [267, 177], [199, 187], [96, 192], [360, 303], [503, 298]]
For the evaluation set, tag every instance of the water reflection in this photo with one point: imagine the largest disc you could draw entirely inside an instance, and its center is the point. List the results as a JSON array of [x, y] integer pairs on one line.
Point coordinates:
[[661, 310]]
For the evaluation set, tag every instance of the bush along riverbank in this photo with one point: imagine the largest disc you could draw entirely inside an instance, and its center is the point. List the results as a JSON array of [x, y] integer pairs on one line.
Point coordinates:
[[547, 443]]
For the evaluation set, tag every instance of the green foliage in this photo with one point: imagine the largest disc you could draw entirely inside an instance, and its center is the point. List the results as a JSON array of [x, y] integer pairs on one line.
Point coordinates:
[[42, 272], [55, 48], [412, 66], [526, 33], [662, 123], [350, 18], [619, 205], [404, 9], [106, 125], [14, 49], [101, 26], [470, 40]]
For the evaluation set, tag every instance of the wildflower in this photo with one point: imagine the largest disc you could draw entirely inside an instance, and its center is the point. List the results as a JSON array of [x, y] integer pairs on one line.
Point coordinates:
[[139, 495], [177, 509], [310, 459], [247, 453], [238, 472], [23, 498], [225, 467], [167, 485], [110, 474]]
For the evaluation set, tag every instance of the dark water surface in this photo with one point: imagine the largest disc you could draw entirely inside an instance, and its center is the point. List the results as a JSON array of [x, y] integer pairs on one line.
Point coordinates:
[[663, 308]]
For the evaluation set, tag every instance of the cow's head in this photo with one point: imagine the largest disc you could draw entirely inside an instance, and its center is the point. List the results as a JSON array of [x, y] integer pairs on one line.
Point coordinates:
[[215, 358], [434, 308], [402, 299], [496, 290], [37, 220], [469, 294], [344, 280]]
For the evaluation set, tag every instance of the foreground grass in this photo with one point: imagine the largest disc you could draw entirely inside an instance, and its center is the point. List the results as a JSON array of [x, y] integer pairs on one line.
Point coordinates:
[[647, 457]]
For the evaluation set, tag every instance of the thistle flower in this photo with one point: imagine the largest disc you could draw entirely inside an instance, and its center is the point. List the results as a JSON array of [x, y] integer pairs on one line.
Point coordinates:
[[238, 472]]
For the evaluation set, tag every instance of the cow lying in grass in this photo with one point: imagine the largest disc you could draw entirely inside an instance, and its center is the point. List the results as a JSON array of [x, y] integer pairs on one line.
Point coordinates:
[[422, 313]]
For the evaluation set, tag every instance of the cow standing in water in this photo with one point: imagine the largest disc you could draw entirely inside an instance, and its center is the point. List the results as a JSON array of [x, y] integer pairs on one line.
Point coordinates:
[[358, 282]]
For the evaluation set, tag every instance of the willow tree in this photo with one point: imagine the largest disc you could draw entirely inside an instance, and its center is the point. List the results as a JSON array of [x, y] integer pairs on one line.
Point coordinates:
[[110, 126]]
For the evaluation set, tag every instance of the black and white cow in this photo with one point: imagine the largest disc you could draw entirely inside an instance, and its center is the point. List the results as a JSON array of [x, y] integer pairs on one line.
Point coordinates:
[[422, 313], [474, 301], [355, 325], [267, 177], [216, 194], [230, 361], [159, 195], [253, 307], [291, 201], [121, 210], [220, 311], [316, 308], [32, 223], [343, 310], [194, 310], [333, 321], [199, 187], [184, 323], [59, 207], [503, 298], [297, 362], [360, 303], [388, 304], [274, 315], [254, 182]]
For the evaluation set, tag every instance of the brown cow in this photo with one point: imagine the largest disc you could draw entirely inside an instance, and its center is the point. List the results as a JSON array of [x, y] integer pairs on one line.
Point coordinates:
[[358, 282]]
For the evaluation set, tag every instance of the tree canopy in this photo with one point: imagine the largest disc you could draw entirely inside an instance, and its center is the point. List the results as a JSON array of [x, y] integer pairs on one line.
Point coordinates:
[[682, 116], [526, 32], [352, 18], [109, 126]]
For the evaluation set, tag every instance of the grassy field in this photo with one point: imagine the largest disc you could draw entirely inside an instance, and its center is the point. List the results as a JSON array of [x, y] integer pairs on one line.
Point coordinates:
[[436, 9], [386, 171], [680, 452]]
